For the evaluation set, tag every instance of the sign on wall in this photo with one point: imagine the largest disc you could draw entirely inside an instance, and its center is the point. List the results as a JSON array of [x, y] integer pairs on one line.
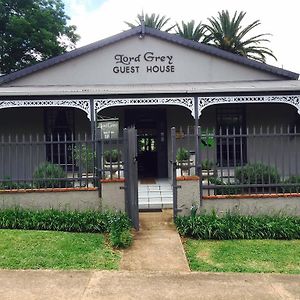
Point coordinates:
[[109, 128], [147, 62]]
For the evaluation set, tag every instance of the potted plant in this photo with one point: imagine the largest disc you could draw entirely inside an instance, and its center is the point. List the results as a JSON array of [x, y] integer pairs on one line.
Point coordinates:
[[183, 160], [85, 159], [113, 155], [207, 167], [112, 161]]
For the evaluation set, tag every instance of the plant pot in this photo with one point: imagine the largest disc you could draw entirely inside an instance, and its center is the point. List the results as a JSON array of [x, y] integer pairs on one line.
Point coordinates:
[[208, 173], [112, 169], [184, 166], [86, 179]]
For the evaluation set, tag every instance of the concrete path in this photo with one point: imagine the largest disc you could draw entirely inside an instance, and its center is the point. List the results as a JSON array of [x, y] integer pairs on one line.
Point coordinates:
[[89, 285], [157, 246]]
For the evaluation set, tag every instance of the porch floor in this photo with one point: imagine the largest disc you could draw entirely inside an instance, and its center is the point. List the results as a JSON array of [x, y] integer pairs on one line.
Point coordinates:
[[156, 195]]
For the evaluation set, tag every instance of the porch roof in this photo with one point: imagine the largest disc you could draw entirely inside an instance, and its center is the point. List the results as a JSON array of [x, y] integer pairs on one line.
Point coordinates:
[[178, 88]]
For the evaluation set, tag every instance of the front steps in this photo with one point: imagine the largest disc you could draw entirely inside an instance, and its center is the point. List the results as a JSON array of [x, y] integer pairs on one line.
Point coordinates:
[[155, 196]]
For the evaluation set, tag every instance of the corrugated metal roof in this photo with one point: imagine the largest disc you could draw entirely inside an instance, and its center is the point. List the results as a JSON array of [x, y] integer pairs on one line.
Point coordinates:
[[155, 33], [175, 88]]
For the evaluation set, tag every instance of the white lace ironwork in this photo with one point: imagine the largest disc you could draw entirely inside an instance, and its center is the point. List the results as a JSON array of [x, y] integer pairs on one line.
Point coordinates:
[[293, 100], [75, 103], [187, 102]]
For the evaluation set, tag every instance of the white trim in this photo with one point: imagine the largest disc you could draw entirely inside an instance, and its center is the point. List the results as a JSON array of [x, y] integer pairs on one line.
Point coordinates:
[[76, 103], [187, 102], [293, 100]]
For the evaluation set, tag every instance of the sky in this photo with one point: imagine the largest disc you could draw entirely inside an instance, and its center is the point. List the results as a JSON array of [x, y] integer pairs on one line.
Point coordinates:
[[98, 19]]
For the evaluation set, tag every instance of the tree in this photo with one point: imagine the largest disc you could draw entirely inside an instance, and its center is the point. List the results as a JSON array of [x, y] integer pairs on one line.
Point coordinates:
[[228, 34], [190, 31], [153, 21], [31, 31]]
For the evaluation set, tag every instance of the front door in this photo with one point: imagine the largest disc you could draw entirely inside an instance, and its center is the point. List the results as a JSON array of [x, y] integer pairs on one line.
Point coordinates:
[[151, 141]]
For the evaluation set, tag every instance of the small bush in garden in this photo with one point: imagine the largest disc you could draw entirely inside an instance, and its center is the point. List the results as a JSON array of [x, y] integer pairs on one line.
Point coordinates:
[[8, 184], [49, 175], [182, 154], [120, 239], [207, 164], [257, 173], [294, 188], [225, 188], [120, 235], [235, 226], [84, 157], [116, 223]]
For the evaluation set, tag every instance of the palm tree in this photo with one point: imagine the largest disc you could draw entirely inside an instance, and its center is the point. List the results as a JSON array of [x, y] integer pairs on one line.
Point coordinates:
[[228, 34], [153, 21], [190, 31]]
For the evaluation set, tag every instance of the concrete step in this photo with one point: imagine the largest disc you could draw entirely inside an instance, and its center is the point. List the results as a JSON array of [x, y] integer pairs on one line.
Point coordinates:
[[153, 196]]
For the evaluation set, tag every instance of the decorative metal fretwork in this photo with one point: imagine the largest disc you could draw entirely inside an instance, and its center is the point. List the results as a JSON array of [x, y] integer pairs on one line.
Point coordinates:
[[287, 99], [187, 102], [76, 103]]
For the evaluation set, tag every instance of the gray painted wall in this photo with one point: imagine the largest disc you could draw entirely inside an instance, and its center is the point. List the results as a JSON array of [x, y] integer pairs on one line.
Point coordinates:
[[97, 67], [18, 123], [75, 200], [188, 195], [20, 161], [112, 199]]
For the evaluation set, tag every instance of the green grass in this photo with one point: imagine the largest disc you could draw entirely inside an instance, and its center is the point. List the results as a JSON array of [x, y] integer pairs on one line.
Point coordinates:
[[26, 249], [255, 256]]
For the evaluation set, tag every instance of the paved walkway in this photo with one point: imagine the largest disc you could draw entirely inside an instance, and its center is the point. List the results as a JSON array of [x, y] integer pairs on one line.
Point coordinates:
[[89, 285], [157, 246]]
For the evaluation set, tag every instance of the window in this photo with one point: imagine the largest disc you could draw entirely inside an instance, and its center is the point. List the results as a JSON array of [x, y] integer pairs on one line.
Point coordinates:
[[59, 126], [231, 146]]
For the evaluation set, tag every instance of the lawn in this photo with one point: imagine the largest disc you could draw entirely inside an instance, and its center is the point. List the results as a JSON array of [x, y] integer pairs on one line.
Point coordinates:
[[254, 256], [25, 249]]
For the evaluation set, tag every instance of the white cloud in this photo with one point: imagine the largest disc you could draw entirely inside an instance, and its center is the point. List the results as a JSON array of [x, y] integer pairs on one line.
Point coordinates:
[[279, 18]]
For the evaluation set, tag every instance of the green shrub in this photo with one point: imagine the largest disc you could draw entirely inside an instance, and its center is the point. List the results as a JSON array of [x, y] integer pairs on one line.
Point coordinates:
[[235, 226], [207, 164], [113, 155], [225, 188], [117, 224], [182, 154], [84, 157], [8, 184], [294, 188], [120, 239], [48, 175], [257, 173], [120, 235]]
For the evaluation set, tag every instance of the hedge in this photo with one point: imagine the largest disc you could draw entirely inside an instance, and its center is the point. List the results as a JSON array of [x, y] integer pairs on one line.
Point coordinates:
[[117, 224], [233, 226]]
